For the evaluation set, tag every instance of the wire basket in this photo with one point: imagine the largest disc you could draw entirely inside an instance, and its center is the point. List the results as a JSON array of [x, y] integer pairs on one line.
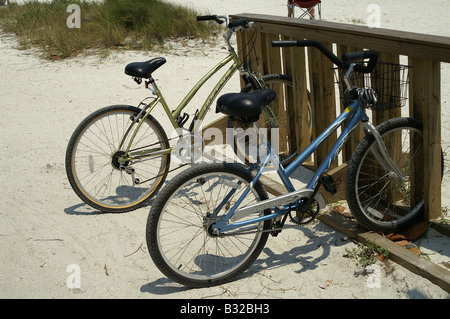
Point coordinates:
[[389, 80]]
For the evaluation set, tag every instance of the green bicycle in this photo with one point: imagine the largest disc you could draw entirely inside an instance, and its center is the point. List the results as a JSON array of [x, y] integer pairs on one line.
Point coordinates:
[[119, 156]]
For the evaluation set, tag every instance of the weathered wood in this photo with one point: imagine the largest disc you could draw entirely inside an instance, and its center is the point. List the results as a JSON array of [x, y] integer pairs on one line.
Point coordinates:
[[291, 96], [424, 53], [323, 99], [338, 174], [420, 266], [426, 106], [357, 134], [411, 44], [220, 124], [299, 116]]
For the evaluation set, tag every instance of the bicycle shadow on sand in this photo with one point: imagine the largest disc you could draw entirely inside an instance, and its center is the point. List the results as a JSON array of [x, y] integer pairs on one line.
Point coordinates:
[[83, 209], [121, 193], [270, 259]]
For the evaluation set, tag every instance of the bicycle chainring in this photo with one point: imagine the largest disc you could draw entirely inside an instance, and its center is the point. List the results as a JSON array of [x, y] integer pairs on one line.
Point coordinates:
[[304, 215]]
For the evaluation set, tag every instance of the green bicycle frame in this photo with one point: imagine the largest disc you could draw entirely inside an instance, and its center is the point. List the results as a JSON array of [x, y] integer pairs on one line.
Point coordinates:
[[173, 115]]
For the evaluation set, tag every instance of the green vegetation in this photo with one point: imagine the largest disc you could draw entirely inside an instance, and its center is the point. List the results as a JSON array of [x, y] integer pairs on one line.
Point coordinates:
[[128, 24], [367, 254]]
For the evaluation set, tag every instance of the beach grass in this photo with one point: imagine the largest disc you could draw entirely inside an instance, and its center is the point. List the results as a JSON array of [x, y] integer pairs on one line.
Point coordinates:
[[57, 30]]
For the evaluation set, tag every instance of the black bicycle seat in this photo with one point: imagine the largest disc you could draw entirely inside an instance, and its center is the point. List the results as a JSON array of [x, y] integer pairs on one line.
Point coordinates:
[[245, 107], [144, 69]]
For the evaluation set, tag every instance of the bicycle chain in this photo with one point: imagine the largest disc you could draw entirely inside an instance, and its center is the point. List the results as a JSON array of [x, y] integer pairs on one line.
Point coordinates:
[[259, 231], [149, 145]]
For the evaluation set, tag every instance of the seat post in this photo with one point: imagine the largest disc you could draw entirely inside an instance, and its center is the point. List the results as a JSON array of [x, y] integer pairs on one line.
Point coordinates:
[[151, 81]]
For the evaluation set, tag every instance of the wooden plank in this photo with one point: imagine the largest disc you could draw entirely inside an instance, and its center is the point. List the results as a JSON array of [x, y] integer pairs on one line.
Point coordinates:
[[432, 141], [420, 266], [416, 109], [427, 107], [220, 124], [288, 60], [338, 174], [390, 41], [273, 56], [323, 100], [274, 66], [400, 255], [357, 135], [299, 119]]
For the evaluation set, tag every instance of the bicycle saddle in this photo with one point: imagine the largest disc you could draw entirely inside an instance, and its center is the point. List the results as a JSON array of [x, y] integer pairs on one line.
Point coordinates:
[[144, 69], [245, 107]]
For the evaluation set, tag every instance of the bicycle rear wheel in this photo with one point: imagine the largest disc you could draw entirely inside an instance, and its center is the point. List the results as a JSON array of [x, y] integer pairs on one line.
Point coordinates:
[[93, 159], [179, 237], [377, 199]]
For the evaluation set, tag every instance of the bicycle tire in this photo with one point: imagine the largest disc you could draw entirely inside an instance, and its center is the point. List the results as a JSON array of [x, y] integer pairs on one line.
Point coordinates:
[[178, 223], [92, 164], [375, 198], [246, 147]]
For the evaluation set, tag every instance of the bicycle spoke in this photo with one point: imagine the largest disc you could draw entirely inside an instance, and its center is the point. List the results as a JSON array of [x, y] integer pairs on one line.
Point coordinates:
[[102, 171]]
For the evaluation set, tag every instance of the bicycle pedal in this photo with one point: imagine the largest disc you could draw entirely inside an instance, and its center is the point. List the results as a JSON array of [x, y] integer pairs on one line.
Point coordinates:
[[328, 183]]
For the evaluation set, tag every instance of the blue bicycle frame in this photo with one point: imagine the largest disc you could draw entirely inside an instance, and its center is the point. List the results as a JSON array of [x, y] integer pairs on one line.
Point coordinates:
[[355, 113]]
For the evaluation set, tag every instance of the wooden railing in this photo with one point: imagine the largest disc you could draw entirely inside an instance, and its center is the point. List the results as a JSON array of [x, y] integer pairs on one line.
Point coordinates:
[[311, 70]]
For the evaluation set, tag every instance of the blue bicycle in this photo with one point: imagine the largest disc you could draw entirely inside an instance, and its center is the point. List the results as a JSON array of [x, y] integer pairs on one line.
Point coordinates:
[[211, 222]]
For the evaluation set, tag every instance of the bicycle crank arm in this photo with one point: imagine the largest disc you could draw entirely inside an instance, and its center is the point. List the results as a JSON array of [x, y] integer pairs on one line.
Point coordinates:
[[131, 171], [276, 201]]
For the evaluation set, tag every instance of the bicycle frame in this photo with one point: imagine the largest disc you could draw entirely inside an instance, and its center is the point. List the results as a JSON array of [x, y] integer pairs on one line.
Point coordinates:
[[355, 113], [159, 99]]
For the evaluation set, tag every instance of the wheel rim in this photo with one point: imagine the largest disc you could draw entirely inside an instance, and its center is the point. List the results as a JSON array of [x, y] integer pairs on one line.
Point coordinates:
[[184, 234], [384, 200], [96, 168]]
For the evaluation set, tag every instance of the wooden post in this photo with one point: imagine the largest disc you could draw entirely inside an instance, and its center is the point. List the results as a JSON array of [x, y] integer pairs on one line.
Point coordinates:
[[323, 100], [426, 106], [357, 134], [299, 115]]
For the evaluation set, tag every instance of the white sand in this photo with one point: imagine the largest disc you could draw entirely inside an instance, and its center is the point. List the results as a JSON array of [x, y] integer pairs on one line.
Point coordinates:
[[45, 228]]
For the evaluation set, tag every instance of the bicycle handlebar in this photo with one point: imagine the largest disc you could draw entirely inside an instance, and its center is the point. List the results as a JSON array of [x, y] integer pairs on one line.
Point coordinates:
[[210, 18], [232, 24], [344, 64]]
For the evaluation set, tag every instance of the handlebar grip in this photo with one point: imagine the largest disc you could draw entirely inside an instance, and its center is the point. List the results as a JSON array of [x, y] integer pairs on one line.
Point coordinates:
[[206, 18], [368, 54], [352, 56], [284, 43], [238, 23]]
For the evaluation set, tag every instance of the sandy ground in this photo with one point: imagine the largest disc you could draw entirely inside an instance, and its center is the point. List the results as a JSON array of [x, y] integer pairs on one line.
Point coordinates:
[[46, 231]]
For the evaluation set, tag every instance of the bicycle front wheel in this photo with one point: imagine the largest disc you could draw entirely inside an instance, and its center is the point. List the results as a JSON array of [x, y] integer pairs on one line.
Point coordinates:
[[377, 198], [179, 235], [100, 169]]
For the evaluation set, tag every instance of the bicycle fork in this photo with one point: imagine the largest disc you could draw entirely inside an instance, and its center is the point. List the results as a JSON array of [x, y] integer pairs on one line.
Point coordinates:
[[382, 154]]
